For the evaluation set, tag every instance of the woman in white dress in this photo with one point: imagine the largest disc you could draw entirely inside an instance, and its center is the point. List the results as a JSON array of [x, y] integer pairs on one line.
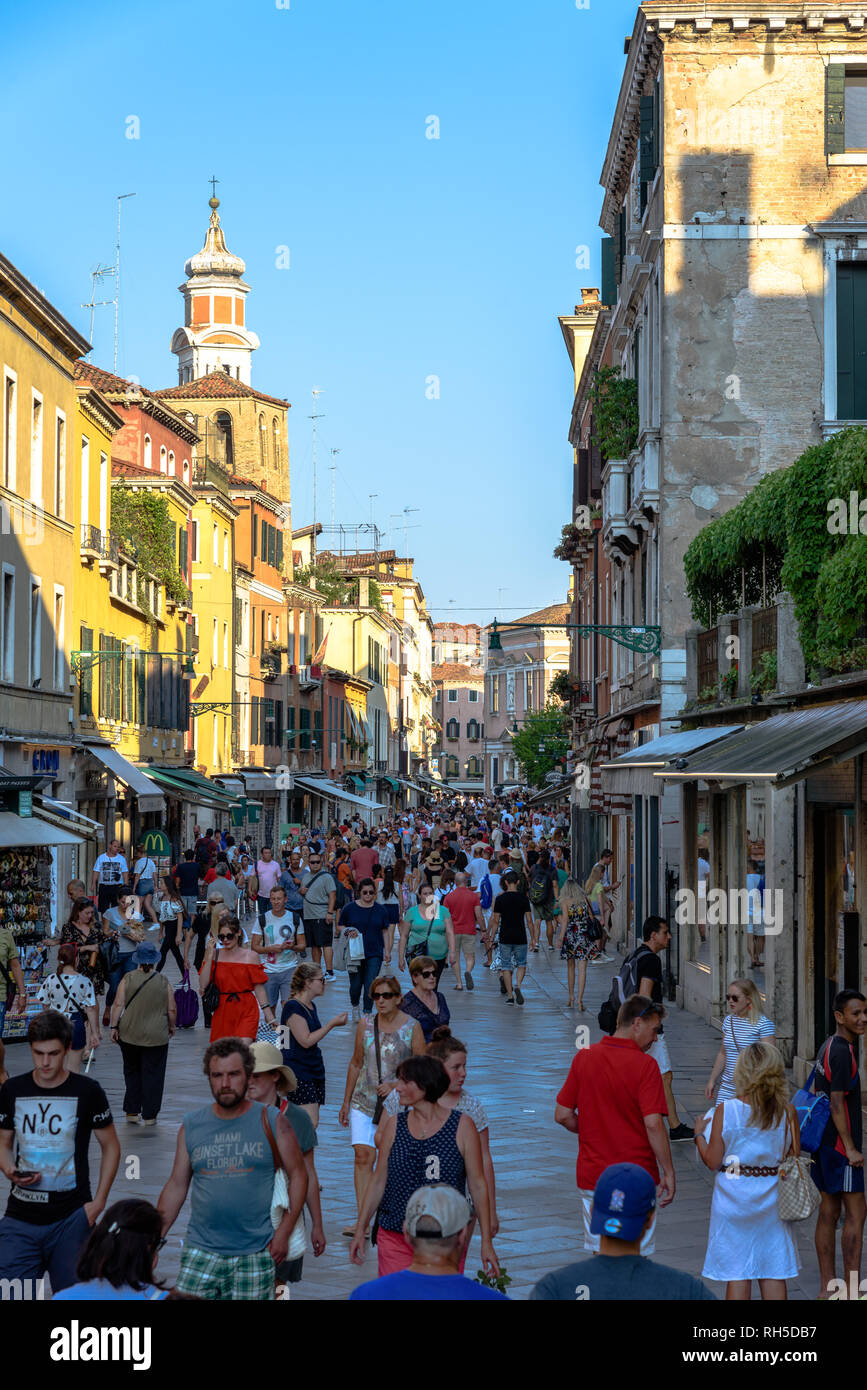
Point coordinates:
[[744, 1024], [750, 1137]]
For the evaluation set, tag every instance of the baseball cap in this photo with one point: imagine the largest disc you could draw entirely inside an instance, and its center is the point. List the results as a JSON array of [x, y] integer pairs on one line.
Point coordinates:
[[439, 1203], [622, 1199]]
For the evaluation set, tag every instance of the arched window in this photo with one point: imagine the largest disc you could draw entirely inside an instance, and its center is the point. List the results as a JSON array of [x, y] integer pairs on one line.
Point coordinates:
[[474, 767], [275, 441], [171, 463], [164, 455], [473, 730], [223, 421], [148, 450], [186, 467], [453, 767], [262, 440], [453, 730]]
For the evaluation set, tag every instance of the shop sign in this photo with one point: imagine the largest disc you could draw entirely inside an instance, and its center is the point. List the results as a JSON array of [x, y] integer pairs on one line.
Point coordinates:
[[25, 803], [290, 830], [156, 842], [46, 760]]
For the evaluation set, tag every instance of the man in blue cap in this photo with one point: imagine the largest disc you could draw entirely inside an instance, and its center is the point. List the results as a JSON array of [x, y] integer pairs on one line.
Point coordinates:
[[624, 1201]]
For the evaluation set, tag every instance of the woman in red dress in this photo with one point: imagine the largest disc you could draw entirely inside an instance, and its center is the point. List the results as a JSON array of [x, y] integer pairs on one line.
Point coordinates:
[[240, 979]]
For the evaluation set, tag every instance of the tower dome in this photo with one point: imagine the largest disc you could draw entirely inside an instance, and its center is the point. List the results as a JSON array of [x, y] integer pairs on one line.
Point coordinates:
[[214, 337]]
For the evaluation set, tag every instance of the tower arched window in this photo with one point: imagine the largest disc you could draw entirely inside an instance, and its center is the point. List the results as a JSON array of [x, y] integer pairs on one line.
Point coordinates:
[[148, 452], [223, 421], [164, 455], [275, 441], [171, 463], [262, 440]]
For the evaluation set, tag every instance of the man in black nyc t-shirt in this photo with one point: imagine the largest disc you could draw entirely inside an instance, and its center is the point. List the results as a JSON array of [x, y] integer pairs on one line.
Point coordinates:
[[46, 1120], [837, 1166], [512, 916]]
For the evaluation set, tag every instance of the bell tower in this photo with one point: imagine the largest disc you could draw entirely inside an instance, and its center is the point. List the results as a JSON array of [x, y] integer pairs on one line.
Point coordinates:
[[214, 337]]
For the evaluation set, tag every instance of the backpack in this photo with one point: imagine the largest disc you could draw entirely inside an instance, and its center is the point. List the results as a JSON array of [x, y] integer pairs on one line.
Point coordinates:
[[540, 889], [486, 892], [623, 986]]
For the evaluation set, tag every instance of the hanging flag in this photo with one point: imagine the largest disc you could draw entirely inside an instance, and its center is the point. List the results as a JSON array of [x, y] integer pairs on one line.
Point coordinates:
[[319, 655]]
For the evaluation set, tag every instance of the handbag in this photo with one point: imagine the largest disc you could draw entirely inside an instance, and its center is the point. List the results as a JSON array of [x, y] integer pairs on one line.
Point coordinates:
[[109, 954], [211, 995], [421, 949], [280, 1197], [813, 1111], [186, 1003], [341, 953], [797, 1194], [380, 1103], [355, 948]]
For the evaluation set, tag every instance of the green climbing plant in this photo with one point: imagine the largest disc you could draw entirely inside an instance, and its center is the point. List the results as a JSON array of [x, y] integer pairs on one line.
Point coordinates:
[[615, 413], [335, 585], [793, 533], [142, 522]]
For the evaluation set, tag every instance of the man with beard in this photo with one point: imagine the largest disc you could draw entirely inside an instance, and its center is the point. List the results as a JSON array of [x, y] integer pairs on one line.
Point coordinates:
[[229, 1151]]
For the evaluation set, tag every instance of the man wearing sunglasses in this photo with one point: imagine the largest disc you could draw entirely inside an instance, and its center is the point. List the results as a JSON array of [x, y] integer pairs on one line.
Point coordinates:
[[319, 891], [368, 919], [614, 1100]]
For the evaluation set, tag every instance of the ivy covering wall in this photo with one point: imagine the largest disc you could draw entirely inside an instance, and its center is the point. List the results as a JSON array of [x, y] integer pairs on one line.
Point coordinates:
[[142, 522], [795, 532]]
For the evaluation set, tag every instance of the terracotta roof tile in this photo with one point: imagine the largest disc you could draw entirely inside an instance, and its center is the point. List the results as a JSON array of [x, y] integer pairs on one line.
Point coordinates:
[[554, 613], [216, 386], [122, 468], [456, 671]]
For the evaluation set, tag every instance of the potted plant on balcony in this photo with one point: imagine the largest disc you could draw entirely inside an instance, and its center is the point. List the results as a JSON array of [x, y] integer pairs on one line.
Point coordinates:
[[615, 413]]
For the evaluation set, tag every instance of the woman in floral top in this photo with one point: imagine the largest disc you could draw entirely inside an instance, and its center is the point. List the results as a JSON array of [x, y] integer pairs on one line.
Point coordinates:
[[82, 931], [369, 1080], [71, 994]]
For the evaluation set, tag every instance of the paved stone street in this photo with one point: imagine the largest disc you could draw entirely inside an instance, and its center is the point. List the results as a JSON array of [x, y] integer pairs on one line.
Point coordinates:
[[517, 1061]]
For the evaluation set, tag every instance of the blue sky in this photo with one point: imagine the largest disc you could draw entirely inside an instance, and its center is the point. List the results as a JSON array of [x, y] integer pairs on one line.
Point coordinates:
[[409, 257]]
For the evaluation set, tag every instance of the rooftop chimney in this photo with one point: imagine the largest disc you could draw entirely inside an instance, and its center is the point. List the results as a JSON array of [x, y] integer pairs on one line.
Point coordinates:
[[363, 592]]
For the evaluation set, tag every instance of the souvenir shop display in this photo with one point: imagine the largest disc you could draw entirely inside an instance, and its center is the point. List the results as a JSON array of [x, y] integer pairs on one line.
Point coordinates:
[[25, 909]]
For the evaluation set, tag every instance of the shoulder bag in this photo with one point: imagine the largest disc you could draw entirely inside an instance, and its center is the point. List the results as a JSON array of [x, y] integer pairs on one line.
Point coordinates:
[[797, 1194], [380, 1103], [421, 949], [813, 1112], [211, 994], [280, 1196]]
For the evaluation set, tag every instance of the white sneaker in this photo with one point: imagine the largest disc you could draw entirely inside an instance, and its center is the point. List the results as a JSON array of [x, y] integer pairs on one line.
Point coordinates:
[[330, 975], [356, 1013]]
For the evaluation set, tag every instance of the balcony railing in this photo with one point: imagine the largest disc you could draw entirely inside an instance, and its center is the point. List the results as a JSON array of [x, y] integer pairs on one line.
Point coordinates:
[[91, 540], [708, 663], [208, 470]]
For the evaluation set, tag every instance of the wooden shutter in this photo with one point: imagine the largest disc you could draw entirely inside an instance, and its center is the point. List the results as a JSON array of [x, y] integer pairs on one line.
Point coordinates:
[[851, 340], [85, 675], [835, 108], [647, 139], [141, 687], [304, 740], [290, 726], [620, 250], [255, 536], [609, 284], [581, 491], [279, 549]]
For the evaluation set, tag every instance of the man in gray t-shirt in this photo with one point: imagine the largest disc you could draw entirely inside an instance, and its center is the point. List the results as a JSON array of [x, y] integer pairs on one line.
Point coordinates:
[[319, 891], [230, 1251], [225, 887]]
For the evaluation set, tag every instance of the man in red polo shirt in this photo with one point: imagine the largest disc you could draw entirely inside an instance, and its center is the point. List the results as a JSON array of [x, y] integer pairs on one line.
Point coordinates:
[[363, 861], [614, 1100], [465, 908]]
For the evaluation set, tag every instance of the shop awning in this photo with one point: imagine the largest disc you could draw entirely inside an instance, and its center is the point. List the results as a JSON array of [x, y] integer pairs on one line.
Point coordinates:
[[147, 793], [191, 786], [31, 832], [413, 786], [391, 782], [558, 793], [322, 787], [355, 731], [357, 782], [88, 831], [260, 781], [661, 751], [783, 749]]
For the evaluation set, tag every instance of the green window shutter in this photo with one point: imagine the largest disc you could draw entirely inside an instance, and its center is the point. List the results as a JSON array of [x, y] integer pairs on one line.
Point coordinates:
[[609, 284], [290, 726], [85, 677], [620, 250], [851, 340], [278, 722], [279, 548], [304, 739], [835, 108], [647, 139], [255, 536]]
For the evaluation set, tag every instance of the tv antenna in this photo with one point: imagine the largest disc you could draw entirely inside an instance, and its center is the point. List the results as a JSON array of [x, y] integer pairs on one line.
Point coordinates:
[[316, 393], [105, 270]]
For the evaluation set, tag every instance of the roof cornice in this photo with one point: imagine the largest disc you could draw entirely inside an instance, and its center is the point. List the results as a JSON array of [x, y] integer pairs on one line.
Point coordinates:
[[39, 310], [94, 405]]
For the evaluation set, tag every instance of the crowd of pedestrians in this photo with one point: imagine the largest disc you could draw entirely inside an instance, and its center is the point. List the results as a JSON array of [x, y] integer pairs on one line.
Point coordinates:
[[408, 914]]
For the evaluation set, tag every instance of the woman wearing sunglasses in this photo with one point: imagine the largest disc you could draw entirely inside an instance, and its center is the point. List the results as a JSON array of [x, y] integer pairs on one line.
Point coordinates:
[[381, 1044], [743, 1025], [426, 930], [241, 981], [424, 1001]]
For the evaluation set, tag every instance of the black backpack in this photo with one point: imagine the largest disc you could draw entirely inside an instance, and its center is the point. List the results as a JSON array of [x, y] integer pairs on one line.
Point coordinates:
[[623, 986]]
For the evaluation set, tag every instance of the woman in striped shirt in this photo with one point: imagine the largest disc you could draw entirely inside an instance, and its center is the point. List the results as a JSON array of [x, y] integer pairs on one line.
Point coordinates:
[[744, 1024]]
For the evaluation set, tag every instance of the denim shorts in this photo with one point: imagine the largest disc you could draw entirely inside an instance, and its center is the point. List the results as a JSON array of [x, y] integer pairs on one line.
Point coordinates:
[[512, 957], [145, 886]]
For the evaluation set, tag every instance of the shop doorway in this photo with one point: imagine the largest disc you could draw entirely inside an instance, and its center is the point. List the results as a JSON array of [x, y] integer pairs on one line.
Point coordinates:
[[835, 923]]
